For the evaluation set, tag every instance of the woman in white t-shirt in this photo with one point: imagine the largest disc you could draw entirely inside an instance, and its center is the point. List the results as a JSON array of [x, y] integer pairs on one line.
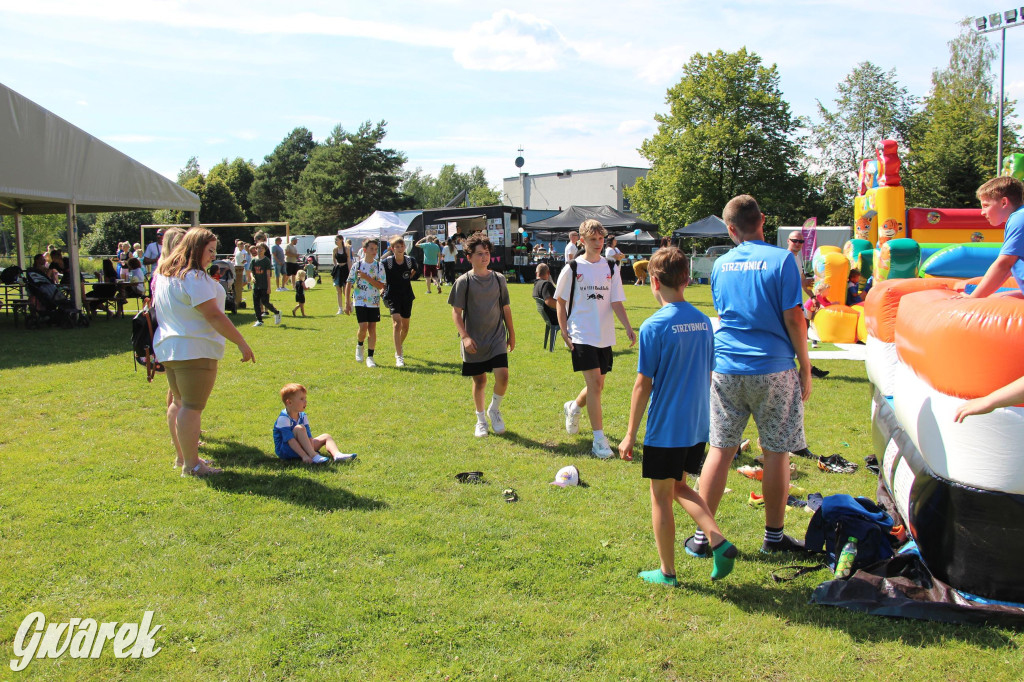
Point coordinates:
[[612, 251], [189, 339]]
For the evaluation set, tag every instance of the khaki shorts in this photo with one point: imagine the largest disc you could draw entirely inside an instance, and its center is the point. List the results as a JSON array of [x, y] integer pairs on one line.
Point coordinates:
[[775, 400], [191, 381]]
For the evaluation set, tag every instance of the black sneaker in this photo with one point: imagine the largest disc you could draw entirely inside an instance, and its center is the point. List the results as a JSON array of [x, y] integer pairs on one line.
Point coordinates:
[[819, 373], [701, 551], [786, 544], [805, 452]]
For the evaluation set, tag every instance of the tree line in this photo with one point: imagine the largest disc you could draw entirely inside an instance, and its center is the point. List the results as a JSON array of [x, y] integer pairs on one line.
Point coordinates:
[[728, 130]]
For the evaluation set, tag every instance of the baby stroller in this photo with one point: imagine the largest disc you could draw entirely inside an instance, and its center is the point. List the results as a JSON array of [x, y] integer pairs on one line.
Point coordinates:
[[224, 272], [49, 304], [313, 268]]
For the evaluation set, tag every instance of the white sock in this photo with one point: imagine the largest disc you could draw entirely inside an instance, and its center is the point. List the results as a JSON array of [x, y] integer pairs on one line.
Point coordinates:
[[481, 417], [598, 435], [496, 401], [574, 407]]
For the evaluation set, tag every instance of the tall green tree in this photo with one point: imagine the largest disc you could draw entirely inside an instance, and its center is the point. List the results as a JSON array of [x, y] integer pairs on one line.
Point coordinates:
[[112, 228], [238, 175], [278, 174], [870, 105], [426, 191], [953, 145], [39, 231], [347, 178], [190, 171], [728, 131]]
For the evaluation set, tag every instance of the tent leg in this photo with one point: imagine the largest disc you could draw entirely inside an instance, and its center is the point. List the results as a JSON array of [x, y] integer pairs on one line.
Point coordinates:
[[195, 218], [76, 278], [19, 238]]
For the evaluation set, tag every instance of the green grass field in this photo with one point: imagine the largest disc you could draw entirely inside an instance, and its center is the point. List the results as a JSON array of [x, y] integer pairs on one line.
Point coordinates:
[[386, 568]]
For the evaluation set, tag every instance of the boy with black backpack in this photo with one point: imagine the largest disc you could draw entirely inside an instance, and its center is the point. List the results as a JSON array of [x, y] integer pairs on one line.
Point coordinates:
[[589, 290]]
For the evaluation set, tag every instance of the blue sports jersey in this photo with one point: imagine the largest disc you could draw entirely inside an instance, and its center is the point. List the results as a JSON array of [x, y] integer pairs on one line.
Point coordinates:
[[1013, 244], [284, 432], [752, 285], [677, 351]]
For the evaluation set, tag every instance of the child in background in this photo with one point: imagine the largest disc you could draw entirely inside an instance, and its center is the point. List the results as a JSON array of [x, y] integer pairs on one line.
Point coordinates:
[[261, 267], [300, 293], [588, 327], [367, 278], [483, 319], [852, 288], [674, 373], [293, 438]]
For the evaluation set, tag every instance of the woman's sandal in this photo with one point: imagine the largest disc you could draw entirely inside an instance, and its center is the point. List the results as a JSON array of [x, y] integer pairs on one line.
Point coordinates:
[[202, 470], [207, 462]]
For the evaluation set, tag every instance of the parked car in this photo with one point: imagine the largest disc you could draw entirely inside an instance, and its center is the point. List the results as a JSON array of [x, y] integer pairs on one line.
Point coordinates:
[[720, 250]]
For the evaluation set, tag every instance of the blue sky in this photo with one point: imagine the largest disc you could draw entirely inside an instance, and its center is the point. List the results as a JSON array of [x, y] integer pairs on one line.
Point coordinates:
[[576, 84]]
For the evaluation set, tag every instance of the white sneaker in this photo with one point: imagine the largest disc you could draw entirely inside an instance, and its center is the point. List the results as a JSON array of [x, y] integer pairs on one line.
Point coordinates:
[[280, 289], [370, 362], [480, 430], [399, 361], [601, 448], [339, 312], [277, 318], [359, 353], [257, 323], [497, 423], [572, 417]]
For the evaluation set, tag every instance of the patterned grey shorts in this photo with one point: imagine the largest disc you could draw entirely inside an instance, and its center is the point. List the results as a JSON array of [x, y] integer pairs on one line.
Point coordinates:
[[774, 399]]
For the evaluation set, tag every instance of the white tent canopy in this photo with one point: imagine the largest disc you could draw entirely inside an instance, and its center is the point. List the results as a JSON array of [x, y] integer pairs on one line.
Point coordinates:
[[47, 165], [380, 225]]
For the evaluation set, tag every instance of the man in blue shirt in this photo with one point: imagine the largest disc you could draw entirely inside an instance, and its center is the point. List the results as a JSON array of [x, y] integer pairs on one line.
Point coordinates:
[[756, 289], [1001, 201]]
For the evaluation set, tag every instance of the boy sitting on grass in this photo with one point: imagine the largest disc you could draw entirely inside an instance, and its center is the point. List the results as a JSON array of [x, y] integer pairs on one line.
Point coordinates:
[[293, 438], [674, 372]]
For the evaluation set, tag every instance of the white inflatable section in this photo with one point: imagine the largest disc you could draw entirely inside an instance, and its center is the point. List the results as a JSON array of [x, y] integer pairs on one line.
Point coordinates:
[[880, 360], [982, 452]]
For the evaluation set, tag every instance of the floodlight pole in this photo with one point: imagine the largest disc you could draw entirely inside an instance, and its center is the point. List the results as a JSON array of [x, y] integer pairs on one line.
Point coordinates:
[[982, 24]]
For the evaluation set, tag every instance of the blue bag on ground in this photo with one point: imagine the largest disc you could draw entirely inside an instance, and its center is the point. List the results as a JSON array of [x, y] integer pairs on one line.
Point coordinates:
[[842, 517]]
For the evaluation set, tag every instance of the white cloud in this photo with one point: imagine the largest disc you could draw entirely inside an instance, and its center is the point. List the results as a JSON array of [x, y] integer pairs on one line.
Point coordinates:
[[246, 135], [509, 41], [82, 103], [632, 127]]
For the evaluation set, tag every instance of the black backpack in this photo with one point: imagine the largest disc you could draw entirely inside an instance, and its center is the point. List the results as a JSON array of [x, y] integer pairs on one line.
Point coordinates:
[[144, 326], [572, 287]]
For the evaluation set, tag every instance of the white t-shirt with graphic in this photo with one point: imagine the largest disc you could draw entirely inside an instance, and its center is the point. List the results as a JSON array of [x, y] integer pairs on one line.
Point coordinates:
[[364, 293], [591, 321]]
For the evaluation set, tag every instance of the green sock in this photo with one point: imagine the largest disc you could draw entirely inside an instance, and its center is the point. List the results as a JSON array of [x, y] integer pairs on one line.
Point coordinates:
[[659, 578], [725, 557]]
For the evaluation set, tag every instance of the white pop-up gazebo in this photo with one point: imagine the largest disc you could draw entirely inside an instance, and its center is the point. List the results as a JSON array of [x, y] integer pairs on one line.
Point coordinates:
[[380, 225], [48, 165]]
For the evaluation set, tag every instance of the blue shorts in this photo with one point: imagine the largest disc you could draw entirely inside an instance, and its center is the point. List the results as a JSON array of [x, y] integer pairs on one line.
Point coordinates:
[[278, 270]]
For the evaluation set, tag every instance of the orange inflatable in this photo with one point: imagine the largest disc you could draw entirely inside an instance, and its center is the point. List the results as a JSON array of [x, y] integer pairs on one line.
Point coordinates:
[[963, 347], [884, 299]]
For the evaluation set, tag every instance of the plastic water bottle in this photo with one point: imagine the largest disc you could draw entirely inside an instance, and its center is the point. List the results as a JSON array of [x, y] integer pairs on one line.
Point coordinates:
[[844, 566]]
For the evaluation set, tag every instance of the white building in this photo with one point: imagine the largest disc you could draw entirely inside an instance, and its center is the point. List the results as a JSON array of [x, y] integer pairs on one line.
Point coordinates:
[[559, 191]]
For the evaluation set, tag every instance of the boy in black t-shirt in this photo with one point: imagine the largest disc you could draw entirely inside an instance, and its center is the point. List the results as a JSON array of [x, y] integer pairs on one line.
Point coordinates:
[[544, 290], [399, 270]]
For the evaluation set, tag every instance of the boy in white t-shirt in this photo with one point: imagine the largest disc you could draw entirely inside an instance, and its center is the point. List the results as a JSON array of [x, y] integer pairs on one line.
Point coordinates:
[[589, 290], [367, 278]]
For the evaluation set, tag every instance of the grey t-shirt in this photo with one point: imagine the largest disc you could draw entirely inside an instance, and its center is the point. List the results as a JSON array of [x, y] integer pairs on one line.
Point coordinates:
[[482, 300]]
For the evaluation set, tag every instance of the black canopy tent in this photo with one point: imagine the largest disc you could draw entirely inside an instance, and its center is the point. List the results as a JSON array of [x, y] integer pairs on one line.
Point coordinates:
[[638, 239], [570, 219], [712, 226]]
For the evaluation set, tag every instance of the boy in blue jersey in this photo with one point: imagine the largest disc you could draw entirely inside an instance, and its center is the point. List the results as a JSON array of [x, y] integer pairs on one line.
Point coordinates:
[[756, 289], [674, 372], [1002, 200], [293, 439]]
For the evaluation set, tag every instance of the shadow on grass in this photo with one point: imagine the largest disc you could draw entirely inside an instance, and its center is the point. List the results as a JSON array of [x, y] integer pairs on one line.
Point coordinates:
[[433, 367], [850, 379], [294, 490], [791, 603], [551, 448]]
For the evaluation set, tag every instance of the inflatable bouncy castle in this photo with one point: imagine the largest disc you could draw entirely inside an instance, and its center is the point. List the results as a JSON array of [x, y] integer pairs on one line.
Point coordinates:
[[959, 487]]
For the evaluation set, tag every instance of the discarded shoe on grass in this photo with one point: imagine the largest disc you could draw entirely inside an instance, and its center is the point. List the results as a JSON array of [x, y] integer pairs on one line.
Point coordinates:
[[470, 477], [834, 464]]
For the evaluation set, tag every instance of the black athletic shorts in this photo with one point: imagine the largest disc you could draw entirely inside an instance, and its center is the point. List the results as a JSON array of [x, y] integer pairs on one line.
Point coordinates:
[[401, 306], [367, 314], [472, 369], [586, 357], [291, 268], [661, 463]]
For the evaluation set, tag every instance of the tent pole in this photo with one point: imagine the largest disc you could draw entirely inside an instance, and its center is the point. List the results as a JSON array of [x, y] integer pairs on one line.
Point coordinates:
[[76, 278], [19, 238], [195, 218]]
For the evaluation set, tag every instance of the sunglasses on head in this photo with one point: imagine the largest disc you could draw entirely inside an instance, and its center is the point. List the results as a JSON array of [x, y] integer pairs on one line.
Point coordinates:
[[798, 241]]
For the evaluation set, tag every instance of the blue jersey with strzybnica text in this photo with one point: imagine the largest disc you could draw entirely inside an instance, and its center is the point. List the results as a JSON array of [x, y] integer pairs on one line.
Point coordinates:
[[752, 286], [677, 353]]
